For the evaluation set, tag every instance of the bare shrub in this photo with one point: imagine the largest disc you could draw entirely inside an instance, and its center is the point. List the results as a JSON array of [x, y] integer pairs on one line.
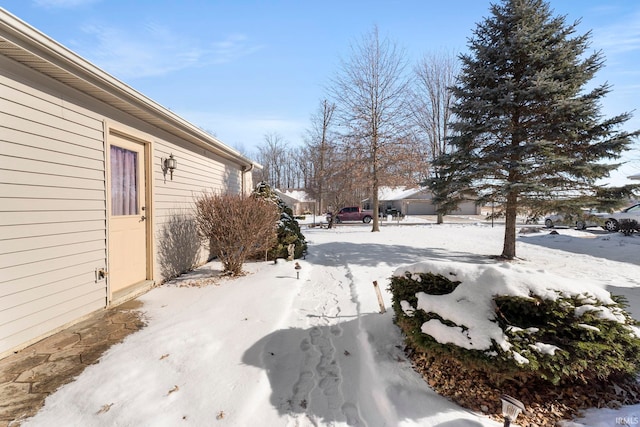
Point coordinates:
[[236, 227]]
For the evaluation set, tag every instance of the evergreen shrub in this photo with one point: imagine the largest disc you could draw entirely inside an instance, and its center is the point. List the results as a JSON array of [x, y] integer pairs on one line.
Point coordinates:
[[580, 344], [288, 228]]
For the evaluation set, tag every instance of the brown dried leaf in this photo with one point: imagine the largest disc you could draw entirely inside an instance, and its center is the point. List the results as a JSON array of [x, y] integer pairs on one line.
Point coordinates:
[[105, 408]]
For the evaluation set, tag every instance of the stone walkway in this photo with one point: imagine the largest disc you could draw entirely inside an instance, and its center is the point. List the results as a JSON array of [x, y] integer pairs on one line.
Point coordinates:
[[30, 375]]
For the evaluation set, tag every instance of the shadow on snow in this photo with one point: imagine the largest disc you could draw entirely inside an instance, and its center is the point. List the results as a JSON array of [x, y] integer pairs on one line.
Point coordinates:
[[625, 251], [371, 254], [345, 372]]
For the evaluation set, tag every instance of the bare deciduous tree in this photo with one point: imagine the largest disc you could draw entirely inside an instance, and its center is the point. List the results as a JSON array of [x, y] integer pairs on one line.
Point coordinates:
[[431, 105], [320, 148], [273, 157], [370, 92]]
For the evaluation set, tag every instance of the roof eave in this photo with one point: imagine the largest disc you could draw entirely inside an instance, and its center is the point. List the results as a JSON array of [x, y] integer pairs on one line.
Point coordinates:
[[53, 59]]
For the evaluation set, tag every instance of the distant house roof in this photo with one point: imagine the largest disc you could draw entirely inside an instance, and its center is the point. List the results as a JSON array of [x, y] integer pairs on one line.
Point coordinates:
[[397, 193], [296, 195]]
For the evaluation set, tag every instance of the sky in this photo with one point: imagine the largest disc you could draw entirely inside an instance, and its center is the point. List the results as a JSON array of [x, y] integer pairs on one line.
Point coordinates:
[[315, 350], [246, 69]]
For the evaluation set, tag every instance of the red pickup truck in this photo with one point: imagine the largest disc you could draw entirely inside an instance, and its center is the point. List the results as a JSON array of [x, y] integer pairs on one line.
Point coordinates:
[[353, 213]]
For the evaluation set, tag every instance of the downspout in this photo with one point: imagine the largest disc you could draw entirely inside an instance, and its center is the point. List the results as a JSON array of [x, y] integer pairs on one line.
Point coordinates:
[[245, 170]]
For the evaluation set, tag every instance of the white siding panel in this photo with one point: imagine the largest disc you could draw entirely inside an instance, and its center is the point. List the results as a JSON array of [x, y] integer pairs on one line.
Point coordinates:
[[40, 118], [26, 270], [30, 258], [51, 241], [52, 206], [36, 324], [9, 164], [48, 156], [31, 140], [27, 231], [12, 191], [25, 97], [20, 205], [43, 280], [57, 133], [45, 180], [36, 300], [198, 171], [48, 217]]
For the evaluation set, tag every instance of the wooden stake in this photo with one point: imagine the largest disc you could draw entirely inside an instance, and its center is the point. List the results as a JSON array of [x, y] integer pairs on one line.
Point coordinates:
[[379, 294]]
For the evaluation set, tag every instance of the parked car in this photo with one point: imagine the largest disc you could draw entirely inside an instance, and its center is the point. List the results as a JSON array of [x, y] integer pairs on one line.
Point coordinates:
[[353, 213], [612, 220], [581, 222]]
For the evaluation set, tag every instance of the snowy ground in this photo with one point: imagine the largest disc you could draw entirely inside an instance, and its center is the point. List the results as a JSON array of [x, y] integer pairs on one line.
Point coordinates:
[[268, 349]]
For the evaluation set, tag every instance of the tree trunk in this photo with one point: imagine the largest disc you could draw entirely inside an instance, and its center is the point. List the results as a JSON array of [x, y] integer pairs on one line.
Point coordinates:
[[375, 207], [509, 248]]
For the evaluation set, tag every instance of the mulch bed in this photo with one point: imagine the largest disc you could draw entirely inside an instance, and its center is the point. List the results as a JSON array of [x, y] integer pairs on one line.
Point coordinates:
[[545, 404]]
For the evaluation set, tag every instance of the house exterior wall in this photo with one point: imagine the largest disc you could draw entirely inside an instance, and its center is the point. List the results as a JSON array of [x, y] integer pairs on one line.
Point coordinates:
[[425, 207], [420, 207], [54, 193], [52, 214], [298, 207], [177, 247], [467, 208]]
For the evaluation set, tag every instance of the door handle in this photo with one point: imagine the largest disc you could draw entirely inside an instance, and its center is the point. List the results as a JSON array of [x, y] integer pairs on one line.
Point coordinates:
[[142, 218]]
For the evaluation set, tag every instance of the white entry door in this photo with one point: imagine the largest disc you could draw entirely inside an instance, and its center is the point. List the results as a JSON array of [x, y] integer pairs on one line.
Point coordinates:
[[127, 216]]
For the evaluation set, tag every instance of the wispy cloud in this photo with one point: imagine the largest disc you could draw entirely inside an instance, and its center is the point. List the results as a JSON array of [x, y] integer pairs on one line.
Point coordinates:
[[63, 4], [154, 50], [620, 37], [233, 47]]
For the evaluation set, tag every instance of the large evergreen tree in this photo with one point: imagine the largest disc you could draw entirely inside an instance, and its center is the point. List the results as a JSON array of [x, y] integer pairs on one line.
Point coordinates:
[[527, 127]]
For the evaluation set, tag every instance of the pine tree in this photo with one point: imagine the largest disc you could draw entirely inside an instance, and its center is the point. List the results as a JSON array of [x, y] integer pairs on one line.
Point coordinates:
[[527, 129], [288, 228]]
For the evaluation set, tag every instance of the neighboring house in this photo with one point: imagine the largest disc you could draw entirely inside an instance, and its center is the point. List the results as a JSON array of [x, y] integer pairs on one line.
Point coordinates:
[[298, 200], [634, 177], [91, 213], [416, 201]]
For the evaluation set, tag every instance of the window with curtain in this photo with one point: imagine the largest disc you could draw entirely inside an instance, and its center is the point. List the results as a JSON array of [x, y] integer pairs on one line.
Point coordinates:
[[124, 181]]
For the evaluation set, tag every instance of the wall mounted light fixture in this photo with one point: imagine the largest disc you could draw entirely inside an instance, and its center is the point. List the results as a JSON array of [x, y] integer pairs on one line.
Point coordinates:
[[169, 164]]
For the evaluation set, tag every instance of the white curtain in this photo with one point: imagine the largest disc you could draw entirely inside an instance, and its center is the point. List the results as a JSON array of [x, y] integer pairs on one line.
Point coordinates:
[[124, 181]]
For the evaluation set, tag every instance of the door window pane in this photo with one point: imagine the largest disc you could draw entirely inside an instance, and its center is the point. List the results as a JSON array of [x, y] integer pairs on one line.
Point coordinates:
[[124, 181]]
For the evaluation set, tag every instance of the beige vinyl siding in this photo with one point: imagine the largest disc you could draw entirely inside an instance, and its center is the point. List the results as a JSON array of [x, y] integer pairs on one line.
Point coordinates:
[[53, 189], [198, 170], [52, 207]]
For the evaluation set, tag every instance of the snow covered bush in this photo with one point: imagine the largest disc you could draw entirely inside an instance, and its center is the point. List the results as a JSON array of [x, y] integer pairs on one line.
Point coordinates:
[[288, 228], [510, 322], [236, 227]]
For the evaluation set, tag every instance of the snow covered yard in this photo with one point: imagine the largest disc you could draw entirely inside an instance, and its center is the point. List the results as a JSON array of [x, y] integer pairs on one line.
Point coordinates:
[[271, 350]]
